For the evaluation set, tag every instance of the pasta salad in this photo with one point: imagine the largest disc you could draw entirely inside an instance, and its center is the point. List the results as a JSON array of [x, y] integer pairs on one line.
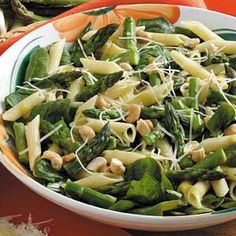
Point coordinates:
[[137, 118]]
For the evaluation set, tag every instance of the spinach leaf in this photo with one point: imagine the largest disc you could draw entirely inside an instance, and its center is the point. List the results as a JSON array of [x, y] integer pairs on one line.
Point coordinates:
[[223, 116], [137, 169], [144, 191], [38, 65], [43, 170], [52, 111]]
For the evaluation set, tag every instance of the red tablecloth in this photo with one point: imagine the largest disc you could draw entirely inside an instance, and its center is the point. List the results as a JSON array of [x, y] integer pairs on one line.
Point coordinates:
[[16, 199]]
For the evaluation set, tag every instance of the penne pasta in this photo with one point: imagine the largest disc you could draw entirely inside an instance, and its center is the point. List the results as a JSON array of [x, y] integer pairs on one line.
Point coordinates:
[[232, 190], [184, 188], [99, 180], [201, 30], [24, 106], [100, 67], [124, 131], [124, 156], [228, 47], [220, 186], [168, 39], [192, 67], [213, 144], [196, 193], [55, 53], [230, 172], [121, 88], [152, 94], [33, 140]]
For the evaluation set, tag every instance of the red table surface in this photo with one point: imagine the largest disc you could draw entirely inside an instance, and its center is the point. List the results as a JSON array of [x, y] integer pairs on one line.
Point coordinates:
[[17, 199]]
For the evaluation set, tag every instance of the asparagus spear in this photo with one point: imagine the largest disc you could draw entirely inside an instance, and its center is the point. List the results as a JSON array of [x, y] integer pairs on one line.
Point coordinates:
[[215, 58], [22, 12], [154, 79], [217, 97], [173, 125], [191, 174], [152, 137], [89, 195], [118, 189], [88, 152], [194, 85], [57, 2], [152, 112], [20, 141], [222, 117], [212, 160], [159, 208], [101, 85], [130, 41], [106, 114]]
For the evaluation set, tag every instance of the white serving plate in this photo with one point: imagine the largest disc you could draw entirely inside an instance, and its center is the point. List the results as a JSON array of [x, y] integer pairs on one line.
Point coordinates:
[[69, 27]]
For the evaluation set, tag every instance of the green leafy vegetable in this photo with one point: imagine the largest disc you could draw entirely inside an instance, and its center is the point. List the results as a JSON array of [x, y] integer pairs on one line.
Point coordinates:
[[38, 65]]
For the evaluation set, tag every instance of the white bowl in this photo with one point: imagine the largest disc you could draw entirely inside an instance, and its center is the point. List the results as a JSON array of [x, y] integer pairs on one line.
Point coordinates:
[[69, 27]]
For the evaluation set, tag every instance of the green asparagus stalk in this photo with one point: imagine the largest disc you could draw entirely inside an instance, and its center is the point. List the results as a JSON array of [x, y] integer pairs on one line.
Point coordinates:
[[191, 174], [222, 117], [216, 97], [152, 112], [106, 114], [119, 189], [101, 85], [20, 141], [173, 125], [212, 160], [130, 41], [194, 85], [88, 152], [186, 162], [154, 79], [22, 12], [57, 2], [89, 195], [152, 137], [158, 209]]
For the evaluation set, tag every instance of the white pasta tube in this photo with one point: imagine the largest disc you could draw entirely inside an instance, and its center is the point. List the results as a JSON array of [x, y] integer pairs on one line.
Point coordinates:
[[152, 94], [232, 191], [212, 144], [75, 87], [24, 106], [228, 47], [220, 186], [125, 131], [125, 157], [230, 172], [168, 39], [33, 140], [192, 67], [121, 88], [184, 188], [165, 147], [88, 35], [100, 67], [99, 180], [55, 53], [196, 192], [201, 30], [110, 49]]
